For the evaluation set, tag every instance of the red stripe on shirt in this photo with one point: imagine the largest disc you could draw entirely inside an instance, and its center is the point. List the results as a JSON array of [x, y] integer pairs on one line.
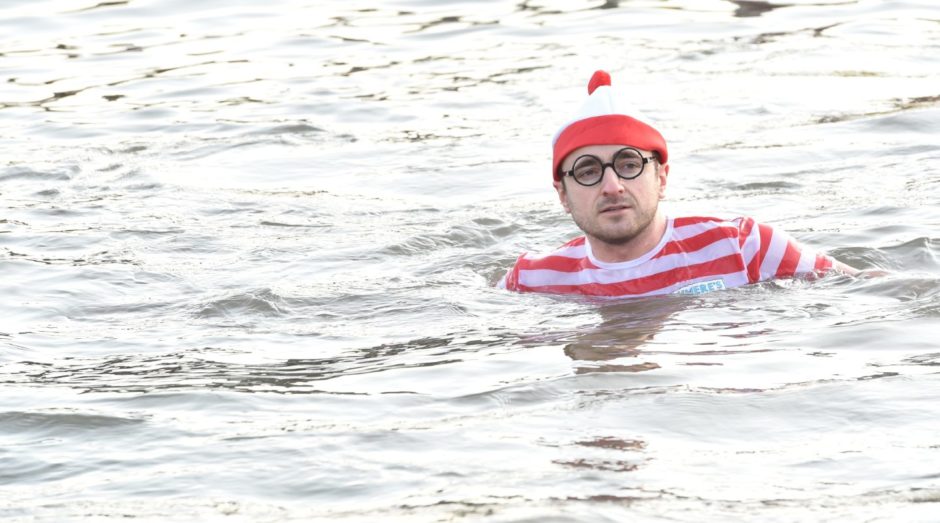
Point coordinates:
[[512, 277], [791, 258], [745, 227], [753, 268], [555, 263], [823, 263], [575, 242], [718, 267], [692, 220], [695, 243]]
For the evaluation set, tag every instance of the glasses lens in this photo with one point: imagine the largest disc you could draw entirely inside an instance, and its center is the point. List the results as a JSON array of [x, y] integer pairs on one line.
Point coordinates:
[[628, 163], [587, 170]]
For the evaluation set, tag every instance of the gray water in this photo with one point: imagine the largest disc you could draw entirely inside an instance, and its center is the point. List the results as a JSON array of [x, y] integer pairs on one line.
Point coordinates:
[[248, 252]]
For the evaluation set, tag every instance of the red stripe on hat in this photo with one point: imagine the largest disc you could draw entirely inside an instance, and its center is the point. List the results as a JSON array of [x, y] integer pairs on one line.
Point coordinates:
[[610, 129]]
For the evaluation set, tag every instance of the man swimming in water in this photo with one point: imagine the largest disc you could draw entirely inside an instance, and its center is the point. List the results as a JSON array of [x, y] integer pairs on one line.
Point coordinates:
[[610, 171]]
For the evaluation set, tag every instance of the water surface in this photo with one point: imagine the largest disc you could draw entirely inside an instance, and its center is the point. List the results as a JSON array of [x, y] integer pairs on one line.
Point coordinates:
[[248, 253]]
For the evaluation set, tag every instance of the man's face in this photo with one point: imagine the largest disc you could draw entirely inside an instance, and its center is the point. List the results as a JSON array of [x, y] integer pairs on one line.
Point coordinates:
[[615, 211]]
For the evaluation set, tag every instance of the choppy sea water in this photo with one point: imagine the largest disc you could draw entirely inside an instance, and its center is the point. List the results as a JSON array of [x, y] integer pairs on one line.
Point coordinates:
[[247, 255]]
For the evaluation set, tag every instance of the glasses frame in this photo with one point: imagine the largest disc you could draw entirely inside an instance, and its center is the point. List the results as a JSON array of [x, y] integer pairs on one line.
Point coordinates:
[[604, 166]]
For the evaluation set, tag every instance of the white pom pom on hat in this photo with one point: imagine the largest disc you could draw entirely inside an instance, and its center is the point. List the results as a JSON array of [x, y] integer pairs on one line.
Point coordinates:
[[605, 119]]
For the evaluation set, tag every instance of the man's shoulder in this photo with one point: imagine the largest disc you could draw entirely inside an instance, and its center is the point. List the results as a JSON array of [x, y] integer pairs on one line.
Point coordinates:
[[687, 226], [708, 221], [570, 257], [574, 248]]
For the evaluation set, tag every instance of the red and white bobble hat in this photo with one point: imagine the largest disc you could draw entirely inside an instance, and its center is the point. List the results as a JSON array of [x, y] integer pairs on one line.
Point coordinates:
[[605, 119]]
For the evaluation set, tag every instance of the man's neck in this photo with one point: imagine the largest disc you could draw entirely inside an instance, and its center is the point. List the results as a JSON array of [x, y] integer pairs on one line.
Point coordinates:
[[641, 244]]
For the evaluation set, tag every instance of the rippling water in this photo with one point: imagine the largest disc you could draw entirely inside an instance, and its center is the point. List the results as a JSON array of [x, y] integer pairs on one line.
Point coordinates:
[[248, 250]]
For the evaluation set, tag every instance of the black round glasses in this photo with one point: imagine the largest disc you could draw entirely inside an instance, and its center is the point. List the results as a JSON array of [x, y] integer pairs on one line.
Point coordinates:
[[628, 163]]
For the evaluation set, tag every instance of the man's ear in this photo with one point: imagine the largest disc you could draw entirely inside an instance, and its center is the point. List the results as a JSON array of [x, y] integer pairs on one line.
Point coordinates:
[[562, 194], [663, 174]]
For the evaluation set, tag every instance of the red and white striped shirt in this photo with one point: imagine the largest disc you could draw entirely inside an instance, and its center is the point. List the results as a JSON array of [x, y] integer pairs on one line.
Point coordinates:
[[695, 255]]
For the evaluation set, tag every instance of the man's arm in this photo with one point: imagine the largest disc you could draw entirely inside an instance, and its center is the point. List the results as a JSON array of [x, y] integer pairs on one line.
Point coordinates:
[[862, 273], [845, 269]]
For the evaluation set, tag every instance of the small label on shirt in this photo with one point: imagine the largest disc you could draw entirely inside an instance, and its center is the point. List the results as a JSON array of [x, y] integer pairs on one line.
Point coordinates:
[[702, 287]]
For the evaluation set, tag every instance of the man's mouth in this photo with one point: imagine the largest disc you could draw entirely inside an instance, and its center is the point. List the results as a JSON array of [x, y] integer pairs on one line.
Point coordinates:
[[614, 208]]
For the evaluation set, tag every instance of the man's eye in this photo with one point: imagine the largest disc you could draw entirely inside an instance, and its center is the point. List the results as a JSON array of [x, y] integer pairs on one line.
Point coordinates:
[[629, 164], [587, 172]]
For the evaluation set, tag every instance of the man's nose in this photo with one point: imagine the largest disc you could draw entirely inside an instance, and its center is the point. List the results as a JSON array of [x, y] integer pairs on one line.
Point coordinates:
[[610, 182]]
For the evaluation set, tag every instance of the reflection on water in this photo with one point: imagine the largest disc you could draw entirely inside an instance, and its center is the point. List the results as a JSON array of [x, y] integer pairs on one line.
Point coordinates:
[[622, 334], [244, 241], [746, 8]]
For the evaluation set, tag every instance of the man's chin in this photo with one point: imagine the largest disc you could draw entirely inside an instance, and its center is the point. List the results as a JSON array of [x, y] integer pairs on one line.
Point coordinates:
[[615, 238]]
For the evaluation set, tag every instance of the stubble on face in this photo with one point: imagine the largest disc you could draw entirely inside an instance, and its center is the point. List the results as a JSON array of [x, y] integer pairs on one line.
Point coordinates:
[[620, 218], [613, 230], [616, 228]]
